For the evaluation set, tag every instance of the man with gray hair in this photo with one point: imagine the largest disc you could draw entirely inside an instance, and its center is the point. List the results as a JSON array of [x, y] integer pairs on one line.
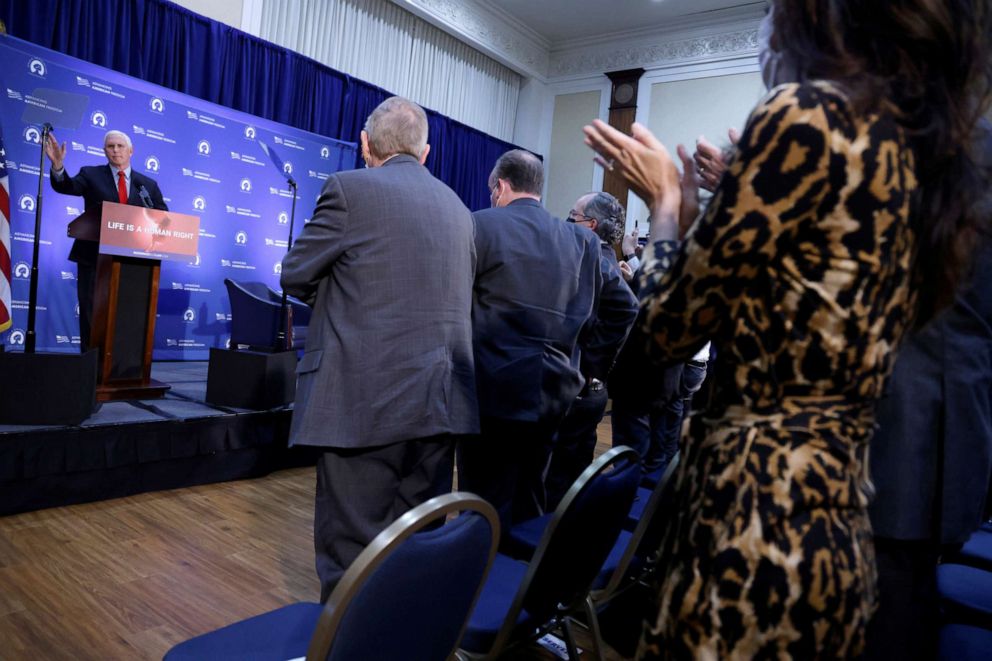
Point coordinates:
[[387, 383], [113, 182]]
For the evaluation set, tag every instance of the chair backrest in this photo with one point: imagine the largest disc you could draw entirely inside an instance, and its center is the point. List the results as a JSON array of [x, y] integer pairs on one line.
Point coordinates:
[[577, 540], [254, 318], [650, 528], [409, 593]]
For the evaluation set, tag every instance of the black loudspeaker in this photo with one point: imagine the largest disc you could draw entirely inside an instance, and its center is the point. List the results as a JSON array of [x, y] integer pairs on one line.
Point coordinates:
[[251, 379], [47, 388]]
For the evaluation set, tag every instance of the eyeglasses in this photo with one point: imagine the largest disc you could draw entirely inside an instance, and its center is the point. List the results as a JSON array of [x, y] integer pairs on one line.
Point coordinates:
[[576, 217]]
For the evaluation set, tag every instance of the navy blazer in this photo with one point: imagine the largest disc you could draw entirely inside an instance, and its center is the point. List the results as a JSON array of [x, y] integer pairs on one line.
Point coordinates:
[[96, 184], [932, 454], [538, 284], [598, 342]]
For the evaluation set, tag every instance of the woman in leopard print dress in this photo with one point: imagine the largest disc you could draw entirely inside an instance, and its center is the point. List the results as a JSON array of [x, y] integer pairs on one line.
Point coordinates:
[[804, 272]]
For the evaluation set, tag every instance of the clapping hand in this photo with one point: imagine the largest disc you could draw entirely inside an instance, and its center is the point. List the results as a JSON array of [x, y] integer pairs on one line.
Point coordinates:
[[648, 168], [710, 162]]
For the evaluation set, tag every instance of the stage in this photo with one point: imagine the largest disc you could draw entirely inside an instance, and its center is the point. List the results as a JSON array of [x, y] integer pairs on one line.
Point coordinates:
[[130, 447]]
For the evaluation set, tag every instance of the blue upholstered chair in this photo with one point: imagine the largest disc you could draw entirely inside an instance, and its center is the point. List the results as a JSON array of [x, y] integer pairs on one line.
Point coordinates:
[[960, 642], [523, 600], [965, 594], [977, 551], [633, 557], [406, 596], [255, 315]]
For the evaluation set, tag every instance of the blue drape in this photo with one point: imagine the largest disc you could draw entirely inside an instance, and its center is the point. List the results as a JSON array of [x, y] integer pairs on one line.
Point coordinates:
[[168, 45]]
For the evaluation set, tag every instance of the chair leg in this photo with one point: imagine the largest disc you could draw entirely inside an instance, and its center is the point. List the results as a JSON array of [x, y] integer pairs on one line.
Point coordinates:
[[593, 621], [573, 650]]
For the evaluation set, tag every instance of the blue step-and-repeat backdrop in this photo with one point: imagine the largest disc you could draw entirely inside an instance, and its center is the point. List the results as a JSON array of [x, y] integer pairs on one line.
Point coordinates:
[[207, 161]]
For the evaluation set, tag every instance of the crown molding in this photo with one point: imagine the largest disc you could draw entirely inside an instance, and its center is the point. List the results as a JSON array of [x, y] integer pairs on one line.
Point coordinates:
[[488, 29], [654, 53]]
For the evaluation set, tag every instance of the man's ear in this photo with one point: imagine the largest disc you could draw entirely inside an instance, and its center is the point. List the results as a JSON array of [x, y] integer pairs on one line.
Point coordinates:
[[593, 224], [423, 155], [366, 150]]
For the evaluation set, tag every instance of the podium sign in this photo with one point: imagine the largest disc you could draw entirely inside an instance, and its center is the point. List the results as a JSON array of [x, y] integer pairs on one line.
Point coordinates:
[[130, 231], [133, 241]]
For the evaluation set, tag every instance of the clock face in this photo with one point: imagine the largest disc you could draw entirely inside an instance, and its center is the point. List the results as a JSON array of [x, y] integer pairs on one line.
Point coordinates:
[[623, 93]]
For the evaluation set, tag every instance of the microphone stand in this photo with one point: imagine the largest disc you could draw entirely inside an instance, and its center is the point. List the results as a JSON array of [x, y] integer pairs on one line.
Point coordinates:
[[283, 338], [30, 337]]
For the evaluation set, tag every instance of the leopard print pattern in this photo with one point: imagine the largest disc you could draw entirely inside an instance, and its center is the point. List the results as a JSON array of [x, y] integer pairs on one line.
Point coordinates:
[[800, 273]]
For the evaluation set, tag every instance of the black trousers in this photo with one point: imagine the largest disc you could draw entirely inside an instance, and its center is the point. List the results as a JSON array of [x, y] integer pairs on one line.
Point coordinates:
[[905, 626], [506, 465], [361, 491], [575, 444], [85, 282]]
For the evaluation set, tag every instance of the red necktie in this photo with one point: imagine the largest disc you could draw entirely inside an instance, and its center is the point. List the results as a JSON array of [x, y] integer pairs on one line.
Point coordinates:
[[121, 187]]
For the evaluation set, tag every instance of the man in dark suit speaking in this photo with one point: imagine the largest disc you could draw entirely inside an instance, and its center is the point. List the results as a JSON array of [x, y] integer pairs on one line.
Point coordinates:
[[387, 382], [113, 182]]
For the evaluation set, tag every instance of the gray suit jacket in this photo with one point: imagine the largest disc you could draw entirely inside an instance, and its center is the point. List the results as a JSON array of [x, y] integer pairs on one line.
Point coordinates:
[[387, 263]]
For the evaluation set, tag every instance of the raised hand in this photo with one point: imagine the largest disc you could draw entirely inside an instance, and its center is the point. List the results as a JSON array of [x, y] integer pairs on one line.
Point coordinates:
[[690, 191], [55, 152], [647, 167]]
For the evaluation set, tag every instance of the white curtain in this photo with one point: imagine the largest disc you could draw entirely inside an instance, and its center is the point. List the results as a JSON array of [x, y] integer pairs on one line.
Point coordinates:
[[378, 42]]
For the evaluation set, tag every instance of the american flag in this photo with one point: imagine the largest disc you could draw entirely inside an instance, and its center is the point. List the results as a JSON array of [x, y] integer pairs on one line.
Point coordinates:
[[5, 305]]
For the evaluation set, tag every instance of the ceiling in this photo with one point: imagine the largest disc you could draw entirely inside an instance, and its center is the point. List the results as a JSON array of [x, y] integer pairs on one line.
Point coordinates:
[[563, 21]]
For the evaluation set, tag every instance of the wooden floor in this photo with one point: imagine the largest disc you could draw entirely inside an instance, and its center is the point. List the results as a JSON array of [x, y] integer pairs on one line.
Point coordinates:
[[129, 578]]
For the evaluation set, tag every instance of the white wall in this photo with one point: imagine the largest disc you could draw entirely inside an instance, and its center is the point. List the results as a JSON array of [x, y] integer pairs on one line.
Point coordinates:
[[680, 108], [225, 11], [683, 110], [568, 165]]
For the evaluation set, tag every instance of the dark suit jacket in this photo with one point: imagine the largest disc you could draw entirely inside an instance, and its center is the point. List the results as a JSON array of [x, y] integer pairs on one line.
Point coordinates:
[[932, 454], [387, 264], [97, 185], [538, 282], [598, 342]]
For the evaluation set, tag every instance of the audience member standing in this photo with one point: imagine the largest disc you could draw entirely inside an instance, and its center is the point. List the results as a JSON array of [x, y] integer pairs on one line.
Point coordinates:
[[930, 462], [387, 382], [846, 190], [537, 286], [575, 442]]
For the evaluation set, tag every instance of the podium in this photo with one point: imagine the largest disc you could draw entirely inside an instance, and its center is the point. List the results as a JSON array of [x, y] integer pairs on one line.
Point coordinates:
[[133, 242]]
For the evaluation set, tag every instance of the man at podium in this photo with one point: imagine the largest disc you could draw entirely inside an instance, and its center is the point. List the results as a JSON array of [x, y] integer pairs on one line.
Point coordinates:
[[113, 182]]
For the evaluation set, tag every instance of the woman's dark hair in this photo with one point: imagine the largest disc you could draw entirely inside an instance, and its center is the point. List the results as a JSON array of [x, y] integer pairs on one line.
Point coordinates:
[[926, 64]]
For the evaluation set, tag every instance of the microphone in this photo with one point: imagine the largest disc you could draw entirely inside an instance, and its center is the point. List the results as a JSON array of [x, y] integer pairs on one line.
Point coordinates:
[[48, 128], [146, 199]]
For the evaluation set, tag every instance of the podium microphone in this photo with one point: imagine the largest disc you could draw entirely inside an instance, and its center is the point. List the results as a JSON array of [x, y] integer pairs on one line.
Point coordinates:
[[146, 199]]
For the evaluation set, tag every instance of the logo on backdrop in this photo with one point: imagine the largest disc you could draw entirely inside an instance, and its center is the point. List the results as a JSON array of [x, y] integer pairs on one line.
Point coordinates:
[[325, 152], [32, 135], [197, 262], [22, 271], [287, 167], [203, 147], [283, 218], [241, 238], [99, 118], [26, 203], [250, 132], [76, 311], [199, 203], [157, 105], [189, 315], [37, 67], [246, 185], [16, 337], [277, 268], [151, 164]]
